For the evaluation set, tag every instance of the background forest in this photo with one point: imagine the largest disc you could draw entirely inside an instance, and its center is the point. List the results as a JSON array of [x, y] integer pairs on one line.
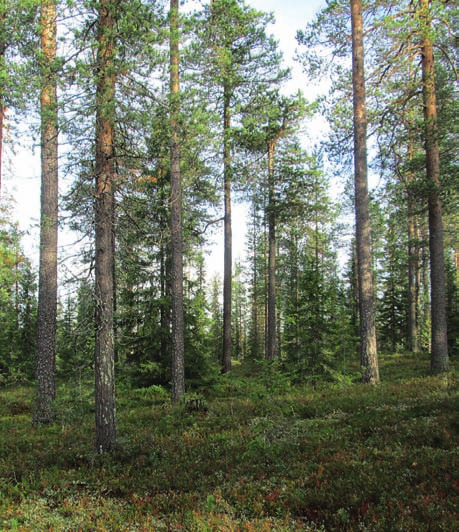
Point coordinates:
[[97, 89], [308, 382]]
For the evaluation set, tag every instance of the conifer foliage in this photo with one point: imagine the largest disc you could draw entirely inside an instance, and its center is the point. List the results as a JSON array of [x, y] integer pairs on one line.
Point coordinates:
[[173, 116]]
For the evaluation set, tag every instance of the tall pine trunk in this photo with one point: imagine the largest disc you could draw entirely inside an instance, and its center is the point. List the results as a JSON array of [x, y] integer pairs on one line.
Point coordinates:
[[368, 348], [47, 293], [228, 244], [178, 363], [106, 436], [439, 349], [271, 319]]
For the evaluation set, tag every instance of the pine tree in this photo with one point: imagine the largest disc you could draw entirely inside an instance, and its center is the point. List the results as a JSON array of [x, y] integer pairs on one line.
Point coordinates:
[[232, 31], [439, 355], [178, 362], [47, 297], [368, 348], [106, 433]]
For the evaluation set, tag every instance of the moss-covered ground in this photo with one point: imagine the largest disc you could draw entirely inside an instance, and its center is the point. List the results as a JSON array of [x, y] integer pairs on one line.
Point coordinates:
[[259, 454]]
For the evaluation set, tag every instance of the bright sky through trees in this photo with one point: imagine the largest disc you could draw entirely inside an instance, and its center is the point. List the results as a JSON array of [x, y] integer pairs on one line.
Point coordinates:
[[22, 170], [291, 15]]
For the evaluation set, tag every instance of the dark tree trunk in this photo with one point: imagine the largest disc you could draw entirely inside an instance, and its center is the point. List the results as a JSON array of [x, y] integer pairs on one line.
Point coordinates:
[[368, 348], [178, 364], [228, 260], [439, 349], [47, 293], [106, 434], [271, 321]]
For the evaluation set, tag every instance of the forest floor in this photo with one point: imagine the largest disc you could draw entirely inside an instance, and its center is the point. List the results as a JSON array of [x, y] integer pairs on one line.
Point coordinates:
[[255, 454]]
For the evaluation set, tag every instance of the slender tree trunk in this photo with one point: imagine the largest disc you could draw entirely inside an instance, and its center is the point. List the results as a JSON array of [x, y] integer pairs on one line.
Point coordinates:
[[106, 433], [271, 330], [228, 244], [178, 363], [424, 304], [265, 283], [2, 83], [47, 294], [165, 314], [413, 274], [255, 293], [439, 350], [368, 348], [413, 249]]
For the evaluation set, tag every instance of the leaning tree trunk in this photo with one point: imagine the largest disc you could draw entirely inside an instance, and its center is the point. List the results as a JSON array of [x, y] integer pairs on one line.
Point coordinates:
[[439, 349], [178, 349], [47, 292], [368, 348], [227, 260], [104, 206]]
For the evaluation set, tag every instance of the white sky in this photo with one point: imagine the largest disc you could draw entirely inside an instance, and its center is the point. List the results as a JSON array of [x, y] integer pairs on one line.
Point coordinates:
[[22, 170]]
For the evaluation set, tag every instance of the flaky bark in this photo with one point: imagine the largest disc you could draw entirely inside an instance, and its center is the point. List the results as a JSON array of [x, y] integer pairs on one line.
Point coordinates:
[[104, 206], [47, 293], [178, 349], [439, 349], [368, 348]]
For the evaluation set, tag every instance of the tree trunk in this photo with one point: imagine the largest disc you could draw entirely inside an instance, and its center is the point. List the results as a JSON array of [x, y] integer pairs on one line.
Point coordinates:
[[47, 294], [413, 248], [2, 84], [271, 330], [178, 364], [255, 326], [413, 276], [228, 260], [368, 348], [439, 350], [104, 204], [165, 311]]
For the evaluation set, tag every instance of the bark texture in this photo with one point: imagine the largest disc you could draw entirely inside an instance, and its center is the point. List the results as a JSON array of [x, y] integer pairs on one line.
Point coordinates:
[[47, 292], [106, 433], [439, 348], [178, 349], [368, 347]]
